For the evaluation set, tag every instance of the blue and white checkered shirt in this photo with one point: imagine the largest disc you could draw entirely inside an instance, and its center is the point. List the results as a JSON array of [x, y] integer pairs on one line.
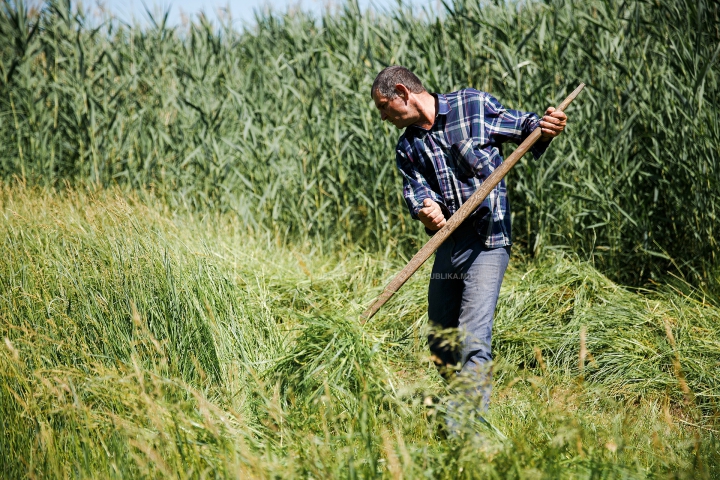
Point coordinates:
[[451, 160]]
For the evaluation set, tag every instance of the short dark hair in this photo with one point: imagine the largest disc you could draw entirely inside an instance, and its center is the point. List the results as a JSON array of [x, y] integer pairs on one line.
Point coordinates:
[[386, 80]]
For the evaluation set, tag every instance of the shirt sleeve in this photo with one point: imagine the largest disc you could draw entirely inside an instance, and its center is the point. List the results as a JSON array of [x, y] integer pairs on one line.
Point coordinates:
[[512, 125], [415, 188]]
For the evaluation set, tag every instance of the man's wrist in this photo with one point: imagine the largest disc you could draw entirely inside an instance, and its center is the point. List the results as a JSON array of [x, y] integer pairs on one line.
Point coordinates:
[[430, 226]]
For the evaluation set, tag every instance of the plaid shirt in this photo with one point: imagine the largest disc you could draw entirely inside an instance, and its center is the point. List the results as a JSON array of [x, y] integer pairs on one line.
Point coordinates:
[[451, 160]]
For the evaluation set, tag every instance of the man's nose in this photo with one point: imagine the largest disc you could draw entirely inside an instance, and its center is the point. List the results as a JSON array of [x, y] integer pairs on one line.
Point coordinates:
[[383, 116]]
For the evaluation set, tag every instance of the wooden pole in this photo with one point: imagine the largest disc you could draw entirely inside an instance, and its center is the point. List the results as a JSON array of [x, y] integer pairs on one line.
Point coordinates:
[[458, 217]]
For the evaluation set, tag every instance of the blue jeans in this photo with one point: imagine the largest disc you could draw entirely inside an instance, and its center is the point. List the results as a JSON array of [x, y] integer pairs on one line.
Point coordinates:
[[462, 295]]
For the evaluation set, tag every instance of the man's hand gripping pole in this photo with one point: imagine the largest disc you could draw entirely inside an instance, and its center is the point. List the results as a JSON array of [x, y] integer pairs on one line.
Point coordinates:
[[458, 217]]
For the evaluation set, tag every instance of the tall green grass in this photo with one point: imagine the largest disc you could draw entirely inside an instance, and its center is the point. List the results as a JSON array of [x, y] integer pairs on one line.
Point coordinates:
[[141, 343], [275, 123]]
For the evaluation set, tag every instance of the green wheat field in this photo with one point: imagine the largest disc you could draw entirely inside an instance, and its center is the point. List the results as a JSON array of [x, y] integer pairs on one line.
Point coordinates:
[[193, 217]]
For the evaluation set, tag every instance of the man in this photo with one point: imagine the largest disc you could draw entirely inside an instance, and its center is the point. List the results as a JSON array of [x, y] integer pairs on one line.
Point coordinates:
[[451, 143]]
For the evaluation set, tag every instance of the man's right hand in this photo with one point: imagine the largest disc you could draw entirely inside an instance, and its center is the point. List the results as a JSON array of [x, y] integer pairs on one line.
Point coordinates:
[[431, 215]]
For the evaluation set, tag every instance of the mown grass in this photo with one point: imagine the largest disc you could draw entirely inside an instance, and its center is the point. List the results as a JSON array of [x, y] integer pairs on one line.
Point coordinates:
[[142, 343]]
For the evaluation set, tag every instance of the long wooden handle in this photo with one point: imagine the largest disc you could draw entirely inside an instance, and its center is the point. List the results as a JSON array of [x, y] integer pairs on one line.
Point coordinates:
[[458, 217]]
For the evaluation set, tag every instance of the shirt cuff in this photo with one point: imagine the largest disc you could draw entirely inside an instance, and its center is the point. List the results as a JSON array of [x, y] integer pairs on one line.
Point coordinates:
[[435, 198], [541, 145], [539, 148]]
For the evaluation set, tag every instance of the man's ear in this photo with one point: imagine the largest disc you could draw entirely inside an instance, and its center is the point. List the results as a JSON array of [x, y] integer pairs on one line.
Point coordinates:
[[402, 91]]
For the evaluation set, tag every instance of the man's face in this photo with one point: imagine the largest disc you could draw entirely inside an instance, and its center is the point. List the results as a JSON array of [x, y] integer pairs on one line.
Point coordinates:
[[394, 110]]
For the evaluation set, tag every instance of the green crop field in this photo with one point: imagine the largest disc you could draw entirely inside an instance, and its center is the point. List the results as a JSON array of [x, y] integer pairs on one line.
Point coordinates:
[[192, 219]]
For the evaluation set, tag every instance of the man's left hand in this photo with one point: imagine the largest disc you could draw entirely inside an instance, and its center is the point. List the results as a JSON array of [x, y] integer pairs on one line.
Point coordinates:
[[552, 124]]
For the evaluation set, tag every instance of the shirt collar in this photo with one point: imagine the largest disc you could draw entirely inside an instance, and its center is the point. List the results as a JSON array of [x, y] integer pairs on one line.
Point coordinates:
[[443, 105]]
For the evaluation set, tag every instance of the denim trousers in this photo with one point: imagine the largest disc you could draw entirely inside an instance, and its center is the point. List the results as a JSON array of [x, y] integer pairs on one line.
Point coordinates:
[[462, 295]]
